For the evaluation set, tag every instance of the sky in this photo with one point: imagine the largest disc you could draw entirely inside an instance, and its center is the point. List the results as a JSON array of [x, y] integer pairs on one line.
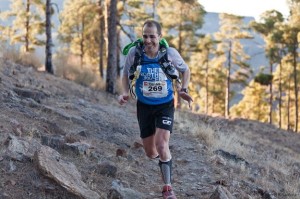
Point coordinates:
[[245, 7], [238, 7]]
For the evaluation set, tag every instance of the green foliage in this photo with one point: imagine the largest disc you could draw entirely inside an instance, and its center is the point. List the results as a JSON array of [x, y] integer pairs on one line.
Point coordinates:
[[134, 13], [263, 79], [230, 56], [80, 29], [271, 28], [202, 72], [181, 20], [254, 104], [28, 23]]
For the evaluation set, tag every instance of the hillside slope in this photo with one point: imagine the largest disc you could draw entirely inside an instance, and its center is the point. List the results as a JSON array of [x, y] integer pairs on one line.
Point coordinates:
[[59, 139]]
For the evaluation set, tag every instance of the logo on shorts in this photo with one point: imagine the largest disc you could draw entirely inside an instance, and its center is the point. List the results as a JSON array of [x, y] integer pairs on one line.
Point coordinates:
[[167, 122]]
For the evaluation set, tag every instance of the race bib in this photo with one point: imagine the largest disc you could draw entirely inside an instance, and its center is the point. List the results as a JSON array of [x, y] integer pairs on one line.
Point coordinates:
[[156, 89]]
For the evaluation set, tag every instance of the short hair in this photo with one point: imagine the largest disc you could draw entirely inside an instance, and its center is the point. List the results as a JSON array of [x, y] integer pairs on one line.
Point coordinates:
[[151, 23]]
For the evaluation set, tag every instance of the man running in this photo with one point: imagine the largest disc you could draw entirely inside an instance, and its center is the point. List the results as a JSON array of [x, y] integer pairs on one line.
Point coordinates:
[[155, 98]]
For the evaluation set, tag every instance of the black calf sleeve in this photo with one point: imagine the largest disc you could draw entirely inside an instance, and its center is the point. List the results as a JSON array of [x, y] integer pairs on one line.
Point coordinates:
[[166, 170]]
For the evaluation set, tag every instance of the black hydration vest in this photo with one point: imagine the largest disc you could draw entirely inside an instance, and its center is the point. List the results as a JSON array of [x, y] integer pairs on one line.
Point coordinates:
[[166, 65]]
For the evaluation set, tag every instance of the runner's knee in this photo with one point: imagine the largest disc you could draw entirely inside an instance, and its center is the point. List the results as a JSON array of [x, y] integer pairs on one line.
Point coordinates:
[[162, 148], [152, 155]]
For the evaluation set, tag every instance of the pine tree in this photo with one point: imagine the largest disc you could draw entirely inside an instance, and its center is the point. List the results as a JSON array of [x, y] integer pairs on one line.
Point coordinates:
[[292, 38], [283, 77], [100, 40], [111, 21], [180, 23], [218, 82], [77, 29], [134, 13], [231, 54], [49, 43], [28, 23], [201, 72], [254, 104], [268, 29], [279, 48]]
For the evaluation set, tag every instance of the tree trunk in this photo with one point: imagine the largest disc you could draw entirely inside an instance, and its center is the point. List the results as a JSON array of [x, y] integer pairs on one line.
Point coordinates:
[[48, 60], [295, 53], [118, 53], [206, 84], [111, 20], [101, 43], [212, 104], [271, 94], [288, 105], [177, 96], [154, 5], [82, 41], [228, 82], [27, 26], [280, 93]]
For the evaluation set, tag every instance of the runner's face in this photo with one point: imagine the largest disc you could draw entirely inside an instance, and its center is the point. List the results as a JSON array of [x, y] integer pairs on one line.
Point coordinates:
[[151, 39]]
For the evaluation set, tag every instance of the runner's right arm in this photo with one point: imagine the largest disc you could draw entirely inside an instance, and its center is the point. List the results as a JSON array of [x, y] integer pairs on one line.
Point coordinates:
[[123, 98]]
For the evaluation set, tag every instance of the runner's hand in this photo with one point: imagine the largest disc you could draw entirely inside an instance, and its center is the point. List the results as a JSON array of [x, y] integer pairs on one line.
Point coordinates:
[[186, 97], [123, 99]]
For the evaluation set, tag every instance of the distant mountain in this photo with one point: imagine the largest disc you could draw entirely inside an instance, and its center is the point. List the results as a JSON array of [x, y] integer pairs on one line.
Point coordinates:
[[253, 47]]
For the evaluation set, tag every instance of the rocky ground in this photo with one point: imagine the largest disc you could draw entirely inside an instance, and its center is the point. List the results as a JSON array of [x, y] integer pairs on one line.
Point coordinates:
[[59, 139]]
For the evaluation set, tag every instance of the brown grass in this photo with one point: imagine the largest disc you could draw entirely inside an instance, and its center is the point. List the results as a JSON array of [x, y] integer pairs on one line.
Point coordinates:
[[275, 159], [12, 53], [201, 131], [68, 67]]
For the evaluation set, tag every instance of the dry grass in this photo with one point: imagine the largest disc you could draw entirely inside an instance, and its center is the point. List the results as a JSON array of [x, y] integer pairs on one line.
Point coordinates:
[[203, 132], [68, 67], [12, 53], [276, 160]]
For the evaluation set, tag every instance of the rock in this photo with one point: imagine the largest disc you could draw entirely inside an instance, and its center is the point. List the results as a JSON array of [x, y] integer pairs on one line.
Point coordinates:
[[11, 182], [258, 189], [117, 191], [235, 158], [137, 145], [107, 169], [221, 193], [121, 152], [64, 173], [222, 182], [72, 138], [26, 93], [217, 160], [83, 133], [21, 149], [55, 142], [12, 166], [114, 194], [4, 196], [78, 148]]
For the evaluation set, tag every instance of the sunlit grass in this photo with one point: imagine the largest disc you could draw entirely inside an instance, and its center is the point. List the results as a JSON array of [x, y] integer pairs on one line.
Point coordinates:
[[275, 161], [13, 54]]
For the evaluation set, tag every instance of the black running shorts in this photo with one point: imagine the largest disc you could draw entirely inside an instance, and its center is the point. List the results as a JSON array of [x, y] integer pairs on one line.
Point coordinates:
[[151, 117]]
